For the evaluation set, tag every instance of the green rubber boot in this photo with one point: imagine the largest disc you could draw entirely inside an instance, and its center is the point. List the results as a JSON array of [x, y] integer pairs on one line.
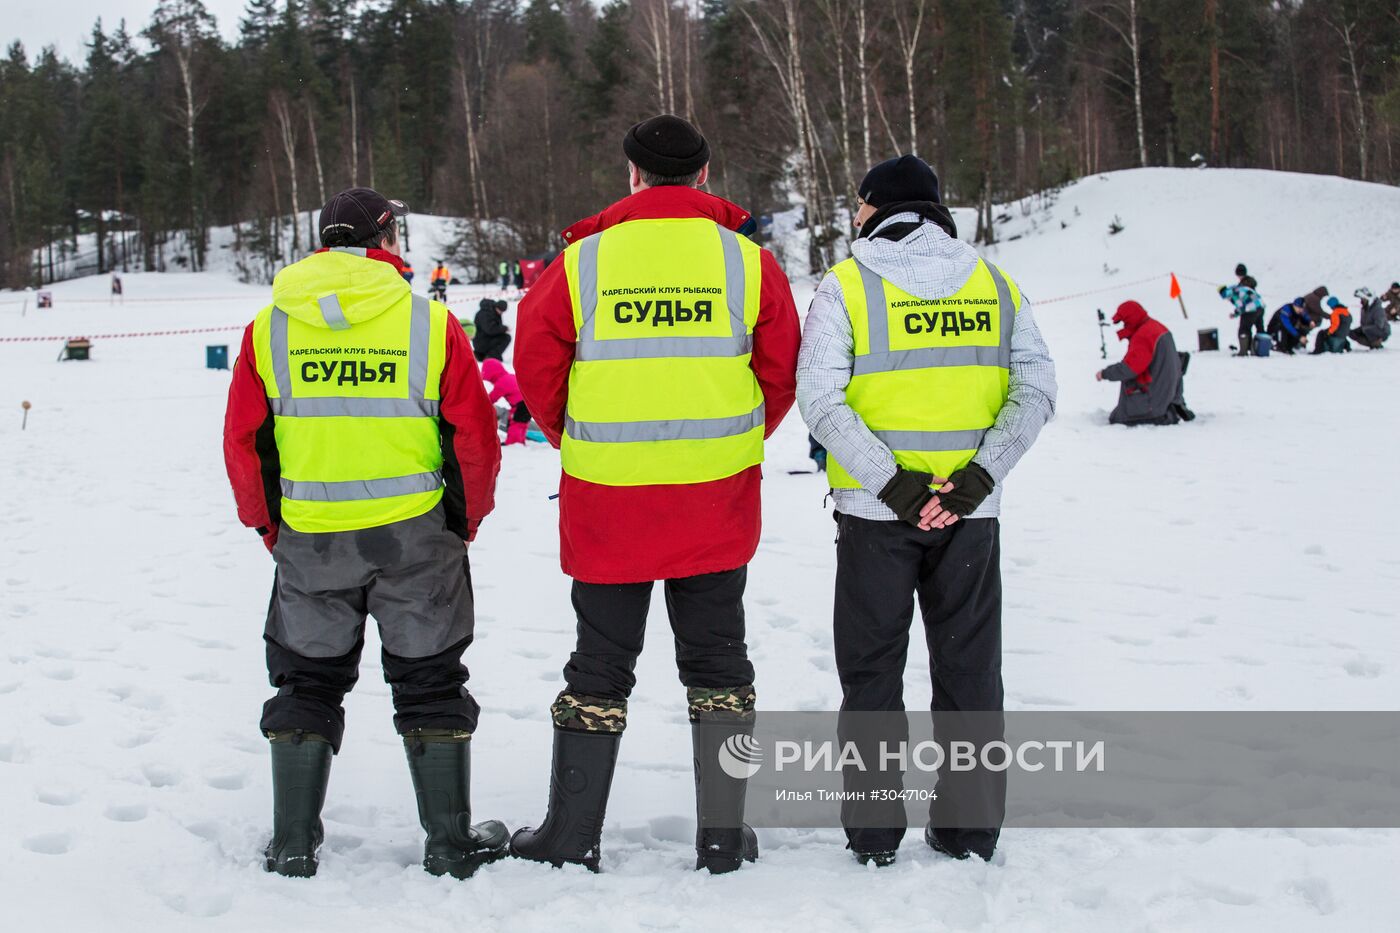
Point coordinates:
[[440, 762], [301, 768]]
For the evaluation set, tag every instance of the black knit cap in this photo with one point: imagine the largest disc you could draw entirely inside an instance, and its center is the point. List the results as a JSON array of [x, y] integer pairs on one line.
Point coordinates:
[[666, 145], [905, 178], [356, 215]]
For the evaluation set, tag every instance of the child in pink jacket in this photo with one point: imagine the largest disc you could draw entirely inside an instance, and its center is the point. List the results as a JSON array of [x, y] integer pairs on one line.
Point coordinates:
[[503, 385]]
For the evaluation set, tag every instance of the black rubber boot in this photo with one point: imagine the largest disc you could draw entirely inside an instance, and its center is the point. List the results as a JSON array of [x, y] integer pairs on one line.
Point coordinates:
[[580, 779], [440, 763], [878, 859], [301, 768], [723, 841], [962, 843]]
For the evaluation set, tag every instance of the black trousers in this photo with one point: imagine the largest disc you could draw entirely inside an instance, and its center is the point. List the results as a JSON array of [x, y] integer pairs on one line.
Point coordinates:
[[1251, 323], [956, 574], [707, 621]]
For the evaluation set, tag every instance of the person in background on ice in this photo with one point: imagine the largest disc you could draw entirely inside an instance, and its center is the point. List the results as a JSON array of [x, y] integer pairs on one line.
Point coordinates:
[[117, 287], [1333, 338], [1392, 302], [407, 272], [1150, 373], [439, 280], [505, 386], [1313, 301], [659, 387], [1289, 327], [362, 448], [519, 275], [492, 336], [924, 407], [1372, 329], [504, 270], [1244, 277], [1249, 308]]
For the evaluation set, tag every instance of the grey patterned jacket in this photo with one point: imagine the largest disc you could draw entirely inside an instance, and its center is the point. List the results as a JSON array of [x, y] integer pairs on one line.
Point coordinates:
[[929, 264]]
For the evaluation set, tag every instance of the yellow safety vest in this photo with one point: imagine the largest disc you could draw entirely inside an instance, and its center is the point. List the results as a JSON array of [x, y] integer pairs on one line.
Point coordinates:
[[929, 377], [661, 390], [351, 362]]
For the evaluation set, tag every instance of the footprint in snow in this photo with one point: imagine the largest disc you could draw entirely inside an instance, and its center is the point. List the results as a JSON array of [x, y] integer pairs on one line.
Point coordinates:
[[57, 796], [13, 753], [49, 843], [1360, 667], [160, 776], [135, 740], [231, 780], [126, 813], [62, 719]]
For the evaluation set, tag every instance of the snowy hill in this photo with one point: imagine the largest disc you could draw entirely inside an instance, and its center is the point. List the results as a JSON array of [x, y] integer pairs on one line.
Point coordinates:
[[1245, 561]]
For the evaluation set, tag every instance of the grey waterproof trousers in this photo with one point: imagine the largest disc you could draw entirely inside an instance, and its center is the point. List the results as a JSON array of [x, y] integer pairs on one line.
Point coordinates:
[[414, 578]]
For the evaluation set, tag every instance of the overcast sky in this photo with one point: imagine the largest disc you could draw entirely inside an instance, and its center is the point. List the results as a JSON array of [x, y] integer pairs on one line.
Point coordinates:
[[67, 23]]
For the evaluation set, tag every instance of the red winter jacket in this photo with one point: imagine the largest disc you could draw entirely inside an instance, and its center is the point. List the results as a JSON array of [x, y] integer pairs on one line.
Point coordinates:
[[631, 534], [471, 448], [1142, 333]]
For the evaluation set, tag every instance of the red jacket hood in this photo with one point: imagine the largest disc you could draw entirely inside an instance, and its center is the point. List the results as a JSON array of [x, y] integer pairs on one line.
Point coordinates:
[[656, 203], [1131, 315], [1142, 332]]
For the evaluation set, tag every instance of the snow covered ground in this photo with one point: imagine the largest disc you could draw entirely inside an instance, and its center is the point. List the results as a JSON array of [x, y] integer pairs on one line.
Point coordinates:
[[1245, 561]]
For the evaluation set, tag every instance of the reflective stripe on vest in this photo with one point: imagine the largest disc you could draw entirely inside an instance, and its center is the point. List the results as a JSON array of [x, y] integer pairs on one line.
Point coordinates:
[[696, 429], [357, 490], [881, 359], [650, 348], [661, 390], [416, 405], [956, 393]]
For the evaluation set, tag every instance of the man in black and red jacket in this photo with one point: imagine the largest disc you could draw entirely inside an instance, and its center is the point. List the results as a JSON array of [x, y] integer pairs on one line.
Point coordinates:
[[361, 446], [1151, 371]]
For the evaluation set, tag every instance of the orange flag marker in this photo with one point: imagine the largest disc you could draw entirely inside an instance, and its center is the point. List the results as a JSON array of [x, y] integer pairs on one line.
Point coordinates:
[[1176, 293]]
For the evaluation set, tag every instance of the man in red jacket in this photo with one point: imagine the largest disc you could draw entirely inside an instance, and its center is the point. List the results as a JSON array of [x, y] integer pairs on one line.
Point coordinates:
[[361, 446], [1151, 390], [657, 353]]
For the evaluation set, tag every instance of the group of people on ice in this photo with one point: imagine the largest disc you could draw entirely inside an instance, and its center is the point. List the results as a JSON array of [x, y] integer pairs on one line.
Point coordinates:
[[1152, 372], [657, 353], [1318, 312]]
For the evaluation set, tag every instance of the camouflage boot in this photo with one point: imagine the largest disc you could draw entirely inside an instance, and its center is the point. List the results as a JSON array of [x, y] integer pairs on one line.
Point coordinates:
[[721, 732], [301, 769], [440, 762], [587, 733]]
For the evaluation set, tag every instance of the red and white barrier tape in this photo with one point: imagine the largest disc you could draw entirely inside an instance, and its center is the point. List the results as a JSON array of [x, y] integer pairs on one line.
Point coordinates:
[[214, 330], [143, 333]]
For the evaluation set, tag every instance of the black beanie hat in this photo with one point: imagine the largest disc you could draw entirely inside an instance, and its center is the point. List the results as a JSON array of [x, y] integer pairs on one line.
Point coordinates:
[[1241, 271], [666, 145], [906, 178]]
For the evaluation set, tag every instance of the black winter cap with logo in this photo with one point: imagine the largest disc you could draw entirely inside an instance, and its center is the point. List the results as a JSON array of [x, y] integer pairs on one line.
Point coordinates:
[[356, 215]]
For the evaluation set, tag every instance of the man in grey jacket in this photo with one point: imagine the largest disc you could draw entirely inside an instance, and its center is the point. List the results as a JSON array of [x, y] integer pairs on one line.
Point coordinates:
[[1373, 328], [923, 374]]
